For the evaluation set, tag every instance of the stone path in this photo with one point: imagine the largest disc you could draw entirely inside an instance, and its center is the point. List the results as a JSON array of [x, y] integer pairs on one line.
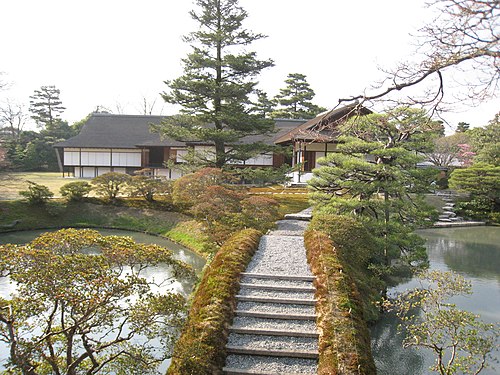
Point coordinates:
[[274, 331]]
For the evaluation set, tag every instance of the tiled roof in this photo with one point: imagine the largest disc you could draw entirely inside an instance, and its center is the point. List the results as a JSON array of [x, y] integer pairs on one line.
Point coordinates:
[[322, 128], [104, 130]]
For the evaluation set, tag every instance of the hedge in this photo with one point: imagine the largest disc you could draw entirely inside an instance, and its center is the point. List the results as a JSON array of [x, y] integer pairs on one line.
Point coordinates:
[[338, 251], [201, 346]]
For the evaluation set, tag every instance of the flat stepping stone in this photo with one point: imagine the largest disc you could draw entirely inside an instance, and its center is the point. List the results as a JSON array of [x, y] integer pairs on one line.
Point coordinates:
[[268, 315], [273, 332], [236, 371], [296, 301], [278, 287], [309, 354], [279, 277]]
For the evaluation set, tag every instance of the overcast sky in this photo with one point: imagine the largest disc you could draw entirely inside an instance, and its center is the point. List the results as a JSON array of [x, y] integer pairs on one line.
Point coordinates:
[[114, 53]]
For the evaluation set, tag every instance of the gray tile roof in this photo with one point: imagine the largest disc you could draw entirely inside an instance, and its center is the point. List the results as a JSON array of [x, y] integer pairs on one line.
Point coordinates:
[[322, 128], [104, 130]]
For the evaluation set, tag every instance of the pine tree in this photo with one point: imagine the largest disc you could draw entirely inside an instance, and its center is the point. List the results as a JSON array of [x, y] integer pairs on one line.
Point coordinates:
[[294, 100], [46, 106], [214, 91], [374, 177], [264, 106]]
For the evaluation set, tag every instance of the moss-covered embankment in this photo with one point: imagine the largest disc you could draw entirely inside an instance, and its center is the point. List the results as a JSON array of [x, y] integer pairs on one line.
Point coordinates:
[[338, 251], [201, 347], [59, 213]]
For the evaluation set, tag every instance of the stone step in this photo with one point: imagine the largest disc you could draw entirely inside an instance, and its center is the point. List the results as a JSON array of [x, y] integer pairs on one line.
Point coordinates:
[[284, 288], [276, 282], [274, 324], [273, 332], [309, 354], [244, 364], [278, 308], [296, 301], [267, 342], [279, 277], [237, 371], [269, 315]]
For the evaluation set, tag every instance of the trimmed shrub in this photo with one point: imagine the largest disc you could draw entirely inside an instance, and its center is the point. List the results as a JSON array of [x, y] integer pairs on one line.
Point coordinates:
[[75, 191], [148, 187], [187, 189], [36, 194], [338, 250], [108, 185], [201, 347]]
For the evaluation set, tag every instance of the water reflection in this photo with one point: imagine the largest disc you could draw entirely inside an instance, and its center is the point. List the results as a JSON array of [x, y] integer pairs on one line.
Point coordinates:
[[472, 252]]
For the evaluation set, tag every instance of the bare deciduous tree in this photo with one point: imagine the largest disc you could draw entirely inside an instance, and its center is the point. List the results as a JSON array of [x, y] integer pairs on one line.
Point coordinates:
[[13, 117], [464, 37]]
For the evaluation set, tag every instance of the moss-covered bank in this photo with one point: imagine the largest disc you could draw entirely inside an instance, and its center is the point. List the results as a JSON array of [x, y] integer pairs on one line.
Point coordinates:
[[59, 213], [201, 347], [338, 250]]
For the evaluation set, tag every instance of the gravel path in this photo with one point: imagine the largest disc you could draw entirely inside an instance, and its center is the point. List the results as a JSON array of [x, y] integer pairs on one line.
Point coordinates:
[[278, 348]]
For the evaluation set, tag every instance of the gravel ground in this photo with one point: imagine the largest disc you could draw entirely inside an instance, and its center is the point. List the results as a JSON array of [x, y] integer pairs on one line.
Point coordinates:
[[280, 255], [290, 228], [284, 325], [275, 294], [273, 364], [273, 342], [254, 280], [275, 308]]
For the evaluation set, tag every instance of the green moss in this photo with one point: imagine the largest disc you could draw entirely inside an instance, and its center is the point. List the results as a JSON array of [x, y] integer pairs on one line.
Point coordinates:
[[58, 213], [201, 347], [339, 250]]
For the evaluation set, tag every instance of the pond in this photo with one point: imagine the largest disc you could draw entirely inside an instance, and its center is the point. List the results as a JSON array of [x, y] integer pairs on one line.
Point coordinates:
[[472, 252], [158, 272]]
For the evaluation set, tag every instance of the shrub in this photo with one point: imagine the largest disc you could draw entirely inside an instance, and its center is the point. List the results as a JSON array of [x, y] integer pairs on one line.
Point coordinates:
[[75, 191], [224, 211], [36, 194], [147, 187], [265, 176], [187, 189], [482, 182], [201, 349], [259, 212], [109, 184]]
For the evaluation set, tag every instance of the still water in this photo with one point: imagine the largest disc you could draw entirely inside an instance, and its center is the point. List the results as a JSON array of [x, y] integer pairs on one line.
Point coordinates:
[[472, 252], [158, 272]]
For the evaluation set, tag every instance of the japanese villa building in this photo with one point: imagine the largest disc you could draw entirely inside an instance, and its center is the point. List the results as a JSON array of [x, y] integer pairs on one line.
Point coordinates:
[[124, 143]]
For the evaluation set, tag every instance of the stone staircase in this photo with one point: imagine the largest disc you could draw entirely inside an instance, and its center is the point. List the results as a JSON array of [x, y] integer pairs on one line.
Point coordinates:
[[274, 330]]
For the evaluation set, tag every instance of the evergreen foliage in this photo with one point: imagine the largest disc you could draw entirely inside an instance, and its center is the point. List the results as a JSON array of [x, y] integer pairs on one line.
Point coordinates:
[[482, 182], [108, 185], [295, 100], [485, 142], [374, 177], [36, 194], [76, 191], [214, 91], [46, 106]]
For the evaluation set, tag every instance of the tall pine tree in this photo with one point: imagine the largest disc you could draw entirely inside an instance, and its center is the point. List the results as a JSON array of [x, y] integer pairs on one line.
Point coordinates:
[[215, 89], [294, 101], [46, 107]]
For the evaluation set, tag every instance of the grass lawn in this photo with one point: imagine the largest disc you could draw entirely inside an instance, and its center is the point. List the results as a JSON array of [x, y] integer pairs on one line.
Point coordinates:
[[12, 182]]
